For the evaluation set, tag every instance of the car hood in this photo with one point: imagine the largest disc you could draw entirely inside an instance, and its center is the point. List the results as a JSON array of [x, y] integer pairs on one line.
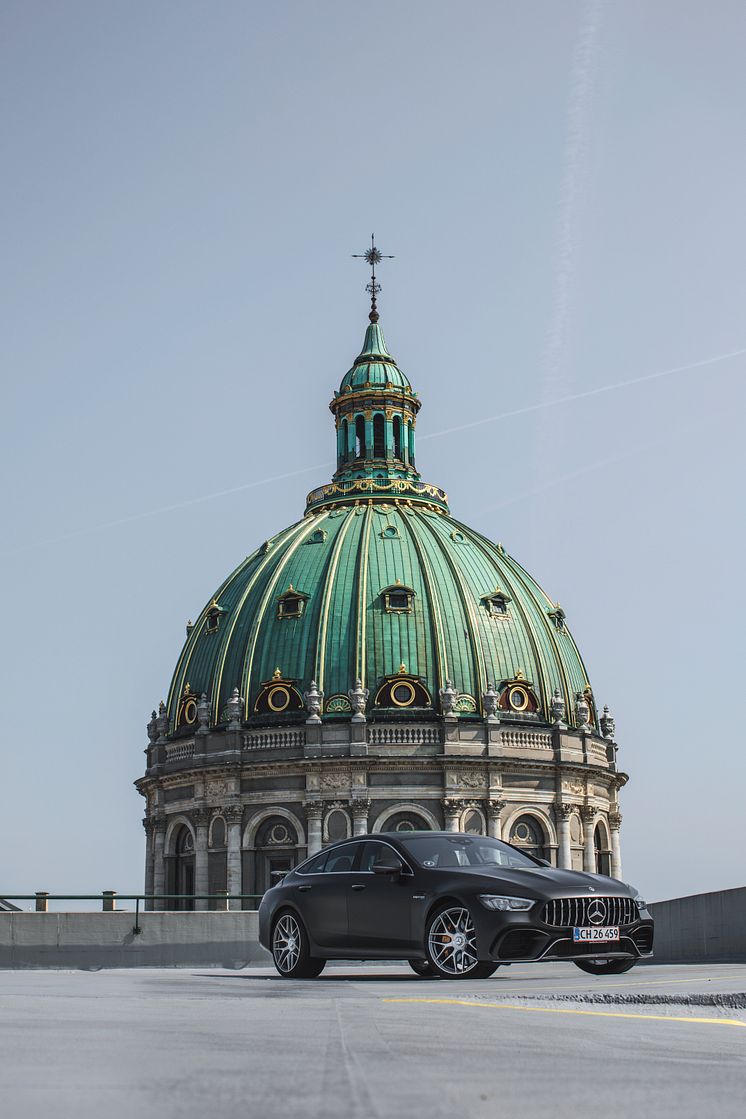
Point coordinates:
[[548, 881]]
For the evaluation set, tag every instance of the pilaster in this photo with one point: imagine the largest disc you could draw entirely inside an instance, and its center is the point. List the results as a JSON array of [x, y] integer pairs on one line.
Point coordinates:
[[233, 814], [201, 820], [588, 816], [564, 812]]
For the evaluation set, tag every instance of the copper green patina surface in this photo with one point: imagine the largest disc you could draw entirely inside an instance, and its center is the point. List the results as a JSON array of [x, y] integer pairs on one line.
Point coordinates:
[[374, 365], [352, 546]]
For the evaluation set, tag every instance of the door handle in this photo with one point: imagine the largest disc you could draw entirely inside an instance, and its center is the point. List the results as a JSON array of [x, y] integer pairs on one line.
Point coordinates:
[[359, 886], [303, 889]]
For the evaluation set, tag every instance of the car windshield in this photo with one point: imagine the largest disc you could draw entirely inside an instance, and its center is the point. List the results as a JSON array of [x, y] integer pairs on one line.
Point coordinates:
[[463, 850]]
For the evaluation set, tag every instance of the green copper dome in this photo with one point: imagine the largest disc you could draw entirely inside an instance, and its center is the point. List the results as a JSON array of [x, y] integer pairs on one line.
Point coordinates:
[[378, 584], [374, 365]]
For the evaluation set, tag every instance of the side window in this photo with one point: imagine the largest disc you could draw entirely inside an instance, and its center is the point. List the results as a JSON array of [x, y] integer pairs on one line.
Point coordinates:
[[374, 852], [314, 866], [341, 859]]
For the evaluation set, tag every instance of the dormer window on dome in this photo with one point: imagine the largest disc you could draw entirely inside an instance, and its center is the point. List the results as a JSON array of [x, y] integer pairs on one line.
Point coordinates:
[[398, 599], [403, 690], [496, 603], [518, 696], [291, 604], [214, 615], [558, 617]]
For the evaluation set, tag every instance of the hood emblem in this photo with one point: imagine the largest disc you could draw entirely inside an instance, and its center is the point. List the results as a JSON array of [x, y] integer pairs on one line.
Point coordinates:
[[592, 889]]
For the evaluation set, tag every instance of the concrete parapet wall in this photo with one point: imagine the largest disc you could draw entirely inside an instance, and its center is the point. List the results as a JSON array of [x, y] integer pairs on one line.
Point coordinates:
[[707, 927], [96, 940]]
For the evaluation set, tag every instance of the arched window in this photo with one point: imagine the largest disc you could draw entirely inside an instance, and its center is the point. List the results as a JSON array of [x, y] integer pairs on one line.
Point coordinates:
[[528, 834], [217, 832], [397, 438], [379, 436], [601, 847], [343, 447], [406, 821], [359, 437], [182, 881], [337, 825], [473, 822], [410, 442], [276, 844]]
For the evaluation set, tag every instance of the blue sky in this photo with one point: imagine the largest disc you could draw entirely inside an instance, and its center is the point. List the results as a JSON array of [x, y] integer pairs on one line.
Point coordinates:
[[184, 185]]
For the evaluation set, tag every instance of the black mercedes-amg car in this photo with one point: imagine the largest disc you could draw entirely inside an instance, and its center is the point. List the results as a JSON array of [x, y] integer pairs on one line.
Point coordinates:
[[456, 906]]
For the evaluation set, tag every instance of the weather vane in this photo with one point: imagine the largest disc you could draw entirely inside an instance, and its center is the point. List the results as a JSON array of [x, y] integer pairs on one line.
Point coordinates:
[[373, 256]]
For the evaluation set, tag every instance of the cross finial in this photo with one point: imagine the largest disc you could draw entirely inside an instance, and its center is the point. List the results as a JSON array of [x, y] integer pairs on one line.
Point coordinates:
[[373, 256]]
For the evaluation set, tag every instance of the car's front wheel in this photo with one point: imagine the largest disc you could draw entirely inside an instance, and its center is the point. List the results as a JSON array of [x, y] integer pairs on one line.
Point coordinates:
[[602, 966], [451, 945], [290, 949]]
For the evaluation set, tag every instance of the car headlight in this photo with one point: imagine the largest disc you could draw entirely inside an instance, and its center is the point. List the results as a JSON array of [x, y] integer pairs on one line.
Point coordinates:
[[498, 901], [640, 903]]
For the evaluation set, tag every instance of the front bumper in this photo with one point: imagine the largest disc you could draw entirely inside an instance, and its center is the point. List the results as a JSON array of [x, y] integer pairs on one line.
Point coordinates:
[[522, 938]]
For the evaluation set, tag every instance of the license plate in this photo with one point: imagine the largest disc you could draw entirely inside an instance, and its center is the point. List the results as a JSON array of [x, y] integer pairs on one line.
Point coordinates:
[[596, 934]]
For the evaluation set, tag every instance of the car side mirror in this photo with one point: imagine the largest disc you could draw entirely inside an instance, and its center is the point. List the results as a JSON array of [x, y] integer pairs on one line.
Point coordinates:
[[386, 868]]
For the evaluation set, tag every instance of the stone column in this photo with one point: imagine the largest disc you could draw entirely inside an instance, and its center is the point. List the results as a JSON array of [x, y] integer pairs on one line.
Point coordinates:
[[495, 824], [313, 818], [234, 880], [564, 812], [360, 810], [588, 815], [452, 810], [159, 865], [149, 825], [615, 823], [201, 818]]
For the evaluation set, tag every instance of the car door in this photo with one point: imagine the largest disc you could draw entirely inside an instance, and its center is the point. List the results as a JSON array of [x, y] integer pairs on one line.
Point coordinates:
[[322, 896], [380, 905]]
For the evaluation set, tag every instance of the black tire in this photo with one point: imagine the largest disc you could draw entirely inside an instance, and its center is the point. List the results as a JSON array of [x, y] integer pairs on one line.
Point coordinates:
[[422, 968], [450, 945], [290, 948], [601, 966]]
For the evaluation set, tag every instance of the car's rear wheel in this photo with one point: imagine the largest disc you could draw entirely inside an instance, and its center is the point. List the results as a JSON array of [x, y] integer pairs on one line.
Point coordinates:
[[290, 949], [450, 943], [601, 966], [423, 968]]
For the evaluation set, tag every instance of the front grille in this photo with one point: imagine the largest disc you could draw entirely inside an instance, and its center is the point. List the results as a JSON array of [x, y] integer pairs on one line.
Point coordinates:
[[576, 912]]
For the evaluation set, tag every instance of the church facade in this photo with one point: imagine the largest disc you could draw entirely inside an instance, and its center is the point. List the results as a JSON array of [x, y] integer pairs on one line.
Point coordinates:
[[376, 666]]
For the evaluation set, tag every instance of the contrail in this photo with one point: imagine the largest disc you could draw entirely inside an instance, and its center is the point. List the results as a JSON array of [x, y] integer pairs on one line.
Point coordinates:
[[541, 404], [526, 410], [589, 468], [572, 190], [171, 508]]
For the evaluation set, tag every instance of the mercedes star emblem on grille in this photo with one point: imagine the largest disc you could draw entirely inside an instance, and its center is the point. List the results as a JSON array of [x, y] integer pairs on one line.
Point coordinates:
[[596, 911]]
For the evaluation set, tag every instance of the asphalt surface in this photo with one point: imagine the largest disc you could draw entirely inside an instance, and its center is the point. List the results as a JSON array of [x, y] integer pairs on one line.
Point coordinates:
[[373, 1041]]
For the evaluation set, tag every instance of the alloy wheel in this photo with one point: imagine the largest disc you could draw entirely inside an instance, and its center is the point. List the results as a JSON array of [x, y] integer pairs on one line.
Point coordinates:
[[286, 943], [452, 941]]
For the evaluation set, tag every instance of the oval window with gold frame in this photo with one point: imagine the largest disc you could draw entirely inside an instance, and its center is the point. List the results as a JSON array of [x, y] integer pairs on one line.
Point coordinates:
[[518, 699], [403, 694], [278, 699]]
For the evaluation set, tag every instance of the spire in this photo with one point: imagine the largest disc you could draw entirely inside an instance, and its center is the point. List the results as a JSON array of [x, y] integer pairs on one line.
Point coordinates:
[[373, 256], [374, 344]]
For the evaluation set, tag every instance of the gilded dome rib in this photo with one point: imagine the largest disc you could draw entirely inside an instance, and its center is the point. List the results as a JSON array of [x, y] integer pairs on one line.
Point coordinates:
[[474, 646], [360, 651], [259, 616], [329, 584], [437, 628]]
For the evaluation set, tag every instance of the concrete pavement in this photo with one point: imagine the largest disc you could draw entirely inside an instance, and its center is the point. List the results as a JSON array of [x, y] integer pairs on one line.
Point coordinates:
[[373, 1041]]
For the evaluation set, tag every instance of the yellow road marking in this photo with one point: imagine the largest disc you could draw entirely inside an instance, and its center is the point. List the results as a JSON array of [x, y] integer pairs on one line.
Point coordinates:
[[567, 1010]]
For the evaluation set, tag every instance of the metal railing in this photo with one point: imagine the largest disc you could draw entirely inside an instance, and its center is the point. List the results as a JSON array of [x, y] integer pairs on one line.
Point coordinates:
[[109, 898]]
